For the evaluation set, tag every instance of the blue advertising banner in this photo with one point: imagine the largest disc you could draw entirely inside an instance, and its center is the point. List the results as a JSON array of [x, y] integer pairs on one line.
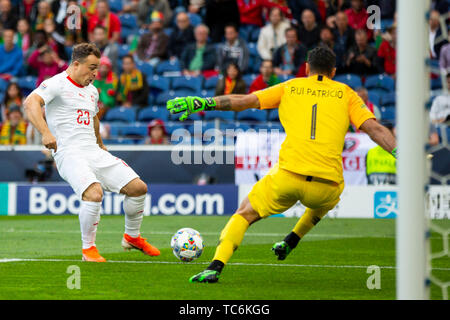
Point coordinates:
[[385, 204], [4, 199], [163, 199]]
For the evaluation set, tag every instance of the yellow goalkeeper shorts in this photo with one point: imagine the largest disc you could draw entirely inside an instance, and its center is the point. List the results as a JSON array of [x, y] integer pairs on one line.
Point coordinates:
[[281, 189]]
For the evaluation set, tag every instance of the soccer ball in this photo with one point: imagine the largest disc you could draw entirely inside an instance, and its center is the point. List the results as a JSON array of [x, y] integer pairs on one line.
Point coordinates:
[[187, 244]]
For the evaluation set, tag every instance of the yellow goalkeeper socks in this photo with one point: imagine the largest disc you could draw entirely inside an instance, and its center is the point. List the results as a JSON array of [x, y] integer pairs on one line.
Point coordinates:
[[308, 220], [230, 239]]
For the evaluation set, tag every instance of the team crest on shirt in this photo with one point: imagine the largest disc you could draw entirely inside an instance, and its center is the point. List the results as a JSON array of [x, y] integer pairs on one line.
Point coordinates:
[[92, 98]]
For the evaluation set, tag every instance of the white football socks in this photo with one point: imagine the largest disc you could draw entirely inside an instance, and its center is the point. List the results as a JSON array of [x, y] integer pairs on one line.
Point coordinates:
[[89, 218], [134, 213]]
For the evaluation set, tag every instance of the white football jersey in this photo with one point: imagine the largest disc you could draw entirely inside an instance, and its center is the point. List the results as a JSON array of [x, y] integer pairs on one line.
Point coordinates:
[[69, 109]]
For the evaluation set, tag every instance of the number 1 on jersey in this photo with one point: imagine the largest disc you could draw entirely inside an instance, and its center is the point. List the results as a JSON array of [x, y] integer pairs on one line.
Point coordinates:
[[313, 122]]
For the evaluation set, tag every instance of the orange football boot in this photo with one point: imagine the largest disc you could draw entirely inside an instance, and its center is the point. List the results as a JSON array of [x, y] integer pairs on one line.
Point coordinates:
[[139, 243], [92, 255]]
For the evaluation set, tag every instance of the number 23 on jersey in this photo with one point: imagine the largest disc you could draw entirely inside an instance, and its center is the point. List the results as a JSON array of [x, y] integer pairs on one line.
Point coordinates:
[[86, 121]]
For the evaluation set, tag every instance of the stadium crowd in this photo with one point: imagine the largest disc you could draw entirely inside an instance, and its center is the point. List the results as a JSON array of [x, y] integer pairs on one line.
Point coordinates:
[[153, 50]]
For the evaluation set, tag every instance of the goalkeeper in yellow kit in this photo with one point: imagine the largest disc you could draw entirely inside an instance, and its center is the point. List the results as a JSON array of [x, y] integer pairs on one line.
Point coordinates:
[[315, 113]]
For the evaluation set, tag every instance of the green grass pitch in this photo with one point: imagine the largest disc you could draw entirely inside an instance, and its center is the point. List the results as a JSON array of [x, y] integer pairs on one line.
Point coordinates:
[[329, 263]]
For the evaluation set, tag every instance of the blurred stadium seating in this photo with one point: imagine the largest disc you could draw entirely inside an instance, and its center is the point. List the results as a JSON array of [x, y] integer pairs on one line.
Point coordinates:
[[166, 81]]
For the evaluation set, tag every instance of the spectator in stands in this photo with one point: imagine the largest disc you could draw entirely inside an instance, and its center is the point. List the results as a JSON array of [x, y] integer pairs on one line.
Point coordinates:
[[231, 82], [23, 36], [55, 38], [344, 37], [13, 130], [44, 11], [182, 35], [59, 9], [387, 52], [133, 88], [435, 34], [194, 6], [27, 8], [444, 57], [40, 39], [157, 133], [75, 35], [357, 15], [326, 37], [152, 46], [13, 96], [88, 7], [106, 18], [199, 57], [387, 7], [272, 36], [8, 18], [220, 13], [107, 49], [379, 35], [288, 58], [443, 6], [10, 56], [364, 95], [130, 6], [267, 77], [146, 7], [433, 135], [297, 8], [440, 108], [309, 31], [362, 57], [251, 12], [47, 63], [234, 49], [106, 84]]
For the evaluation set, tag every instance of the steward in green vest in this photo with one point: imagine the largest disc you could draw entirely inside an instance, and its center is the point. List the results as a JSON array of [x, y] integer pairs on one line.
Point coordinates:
[[380, 167]]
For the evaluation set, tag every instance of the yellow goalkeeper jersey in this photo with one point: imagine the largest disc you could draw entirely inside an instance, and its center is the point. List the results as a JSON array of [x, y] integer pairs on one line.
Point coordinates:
[[316, 113]]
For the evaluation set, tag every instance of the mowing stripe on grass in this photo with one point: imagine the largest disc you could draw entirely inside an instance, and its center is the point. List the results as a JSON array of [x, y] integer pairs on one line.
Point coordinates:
[[205, 263], [251, 234]]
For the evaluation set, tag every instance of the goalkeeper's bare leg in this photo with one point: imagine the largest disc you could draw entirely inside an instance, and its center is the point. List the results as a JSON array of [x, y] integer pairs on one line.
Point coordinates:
[[230, 239]]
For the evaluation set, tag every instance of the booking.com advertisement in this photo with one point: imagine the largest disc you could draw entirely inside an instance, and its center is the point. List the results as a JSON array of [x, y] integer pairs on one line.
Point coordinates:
[[379, 202], [163, 199]]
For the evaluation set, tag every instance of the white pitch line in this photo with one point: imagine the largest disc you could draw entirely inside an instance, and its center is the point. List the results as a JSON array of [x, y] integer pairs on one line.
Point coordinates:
[[204, 263], [251, 234]]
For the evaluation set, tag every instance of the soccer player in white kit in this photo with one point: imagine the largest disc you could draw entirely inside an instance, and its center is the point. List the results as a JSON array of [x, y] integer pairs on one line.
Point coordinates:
[[71, 129]]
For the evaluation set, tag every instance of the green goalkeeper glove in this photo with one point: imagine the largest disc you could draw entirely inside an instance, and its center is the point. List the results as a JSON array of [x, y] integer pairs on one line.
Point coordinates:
[[190, 105], [394, 153]]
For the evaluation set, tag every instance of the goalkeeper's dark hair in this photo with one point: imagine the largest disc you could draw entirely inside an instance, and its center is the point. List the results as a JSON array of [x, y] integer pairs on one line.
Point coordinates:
[[321, 60]]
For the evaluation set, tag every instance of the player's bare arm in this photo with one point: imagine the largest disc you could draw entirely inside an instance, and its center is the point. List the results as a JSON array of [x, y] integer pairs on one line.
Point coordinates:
[[379, 134], [236, 102], [97, 133], [33, 108], [233, 102]]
